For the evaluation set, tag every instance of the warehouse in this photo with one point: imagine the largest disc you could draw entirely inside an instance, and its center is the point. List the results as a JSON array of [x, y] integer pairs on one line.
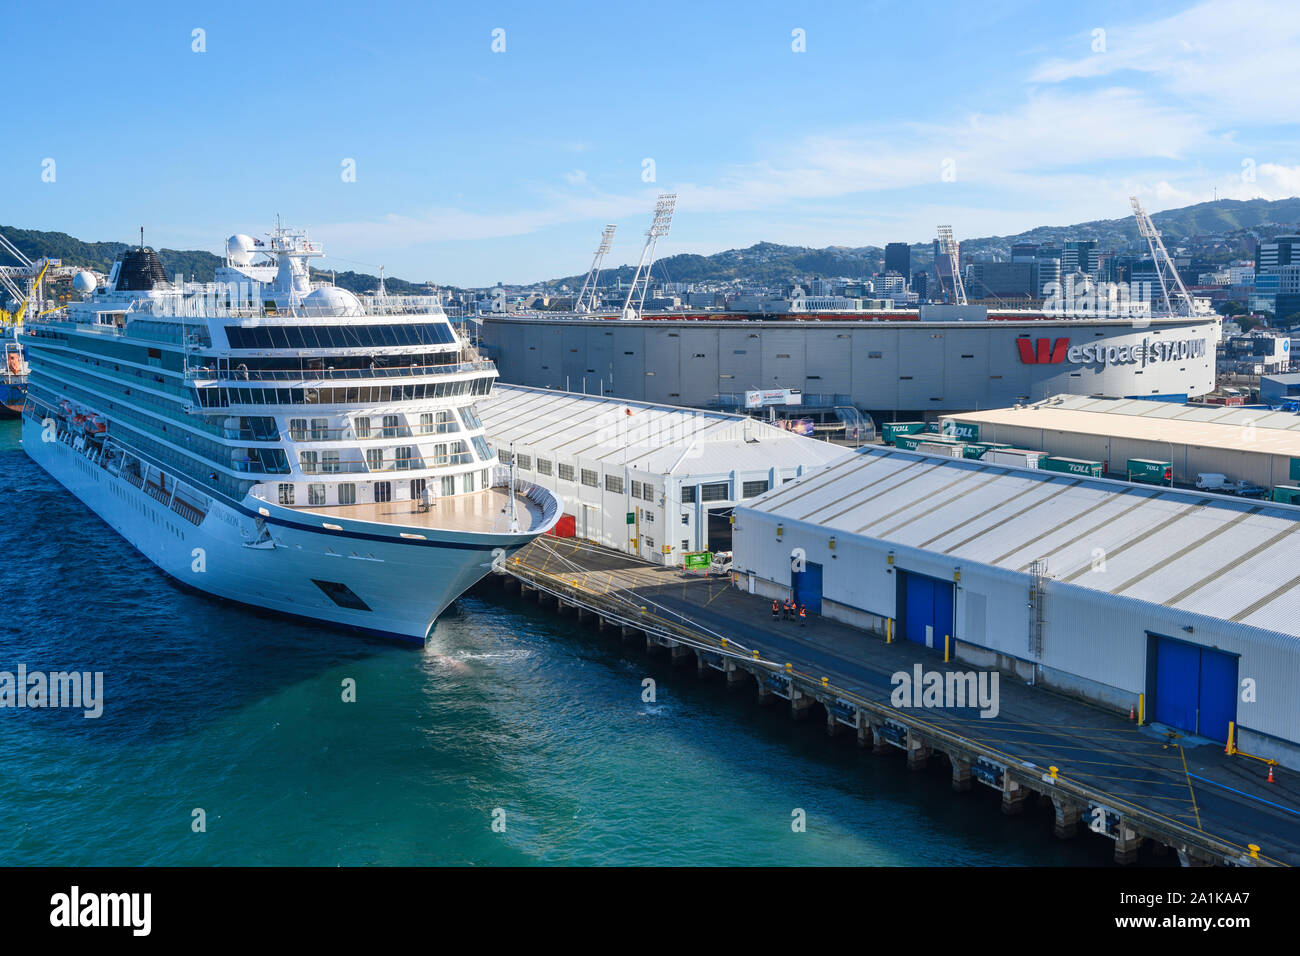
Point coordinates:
[[1246, 444], [896, 368], [652, 480], [1182, 605]]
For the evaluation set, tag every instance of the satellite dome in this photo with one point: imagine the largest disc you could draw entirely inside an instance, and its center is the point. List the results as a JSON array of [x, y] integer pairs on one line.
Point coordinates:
[[85, 282], [239, 249], [331, 300]]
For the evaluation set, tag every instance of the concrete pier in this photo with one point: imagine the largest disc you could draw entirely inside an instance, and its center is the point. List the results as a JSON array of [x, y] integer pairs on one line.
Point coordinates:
[[1039, 746]]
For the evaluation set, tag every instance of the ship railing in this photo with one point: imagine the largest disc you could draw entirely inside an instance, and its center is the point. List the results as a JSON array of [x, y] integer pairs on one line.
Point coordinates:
[[203, 306], [547, 501], [164, 487], [201, 373], [374, 434]]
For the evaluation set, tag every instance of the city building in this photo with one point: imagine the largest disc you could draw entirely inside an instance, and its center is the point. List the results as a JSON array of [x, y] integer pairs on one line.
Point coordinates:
[[898, 258]]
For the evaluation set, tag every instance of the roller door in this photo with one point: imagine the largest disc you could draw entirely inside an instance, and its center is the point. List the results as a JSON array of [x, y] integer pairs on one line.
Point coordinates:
[[1195, 688]]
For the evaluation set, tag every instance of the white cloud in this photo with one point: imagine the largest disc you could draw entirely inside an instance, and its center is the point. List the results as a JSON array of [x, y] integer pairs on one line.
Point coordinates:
[[576, 178]]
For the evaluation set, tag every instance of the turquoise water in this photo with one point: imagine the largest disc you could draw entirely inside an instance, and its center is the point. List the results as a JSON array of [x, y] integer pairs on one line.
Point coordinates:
[[239, 713]]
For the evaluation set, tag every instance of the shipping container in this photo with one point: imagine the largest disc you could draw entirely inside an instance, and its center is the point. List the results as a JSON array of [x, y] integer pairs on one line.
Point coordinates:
[[975, 449], [1072, 466], [1150, 472], [966, 431], [1020, 457], [889, 431], [909, 442], [947, 449], [1287, 494]]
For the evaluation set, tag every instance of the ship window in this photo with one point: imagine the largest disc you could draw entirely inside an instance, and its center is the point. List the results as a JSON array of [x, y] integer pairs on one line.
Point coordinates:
[[390, 425], [375, 459], [347, 494], [286, 494], [448, 486], [315, 494], [298, 429], [330, 462], [363, 427], [308, 460], [319, 429], [417, 489], [383, 492], [469, 482], [405, 457]]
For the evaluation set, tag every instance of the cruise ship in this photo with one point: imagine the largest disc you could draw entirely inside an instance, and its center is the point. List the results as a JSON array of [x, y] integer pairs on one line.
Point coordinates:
[[278, 442]]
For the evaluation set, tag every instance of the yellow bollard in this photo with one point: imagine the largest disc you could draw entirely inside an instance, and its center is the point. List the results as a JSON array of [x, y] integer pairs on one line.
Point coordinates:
[[1254, 851], [826, 682], [1231, 747], [1142, 709], [724, 643], [756, 655], [789, 668], [889, 630], [946, 640], [1052, 771]]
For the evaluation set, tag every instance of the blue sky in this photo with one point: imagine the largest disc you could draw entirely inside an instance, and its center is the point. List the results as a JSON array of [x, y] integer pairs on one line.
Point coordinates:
[[473, 166]]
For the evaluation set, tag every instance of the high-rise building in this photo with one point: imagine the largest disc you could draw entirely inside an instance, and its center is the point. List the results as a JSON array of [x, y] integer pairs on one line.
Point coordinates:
[[1282, 251], [898, 258], [1081, 255]]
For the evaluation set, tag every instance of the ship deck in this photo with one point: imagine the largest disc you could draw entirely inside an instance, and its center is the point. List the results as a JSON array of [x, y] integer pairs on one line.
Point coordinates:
[[482, 512]]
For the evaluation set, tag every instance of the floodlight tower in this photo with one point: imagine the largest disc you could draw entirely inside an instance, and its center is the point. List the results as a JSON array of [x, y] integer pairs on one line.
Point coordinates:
[[593, 274], [658, 228], [948, 247], [1171, 284]]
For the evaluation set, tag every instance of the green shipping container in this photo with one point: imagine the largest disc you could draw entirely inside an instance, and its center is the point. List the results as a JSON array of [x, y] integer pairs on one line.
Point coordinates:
[[1072, 466], [1287, 494], [975, 450], [1150, 472], [966, 431], [909, 442], [889, 431]]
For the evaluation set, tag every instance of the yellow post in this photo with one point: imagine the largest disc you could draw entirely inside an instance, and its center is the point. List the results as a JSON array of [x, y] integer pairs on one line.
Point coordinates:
[[1142, 709], [724, 643], [1254, 851], [789, 668], [889, 630], [756, 655], [946, 640], [826, 682], [1232, 733], [1052, 771]]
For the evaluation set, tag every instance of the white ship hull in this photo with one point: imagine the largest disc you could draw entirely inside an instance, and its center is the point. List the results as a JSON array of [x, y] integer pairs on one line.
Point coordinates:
[[404, 585]]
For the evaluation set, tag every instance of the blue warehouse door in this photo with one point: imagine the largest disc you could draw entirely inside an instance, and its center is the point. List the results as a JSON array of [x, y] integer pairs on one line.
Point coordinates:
[[1218, 694], [926, 608], [1195, 688], [807, 585]]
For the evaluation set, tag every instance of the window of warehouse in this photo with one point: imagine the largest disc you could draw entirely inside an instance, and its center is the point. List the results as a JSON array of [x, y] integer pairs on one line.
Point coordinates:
[[688, 494], [543, 466], [614, 483], [648, 492], [525, 462], [714, 492], [636, 489], [589, 478], [566, 472], [503, 456], [753, 489]]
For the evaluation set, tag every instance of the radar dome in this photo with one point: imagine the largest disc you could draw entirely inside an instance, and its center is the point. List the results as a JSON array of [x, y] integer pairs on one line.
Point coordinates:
[[331, 300], [85, 282], [239, 249]]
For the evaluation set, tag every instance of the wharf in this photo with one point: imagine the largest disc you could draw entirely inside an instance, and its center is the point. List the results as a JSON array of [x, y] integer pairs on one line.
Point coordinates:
[[1131, 783]]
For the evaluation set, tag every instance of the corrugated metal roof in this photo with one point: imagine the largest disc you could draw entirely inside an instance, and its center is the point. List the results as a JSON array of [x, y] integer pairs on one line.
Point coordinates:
[[1237, 429], [1225, 557], [662, 439]]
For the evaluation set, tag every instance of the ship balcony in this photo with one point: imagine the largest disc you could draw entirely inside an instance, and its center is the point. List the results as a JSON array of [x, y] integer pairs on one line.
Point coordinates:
[[360, 466], [374, 433]]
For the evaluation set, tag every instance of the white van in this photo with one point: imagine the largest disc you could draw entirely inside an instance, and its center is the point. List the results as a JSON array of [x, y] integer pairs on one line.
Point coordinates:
[[721, 563], [1212, 481]]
